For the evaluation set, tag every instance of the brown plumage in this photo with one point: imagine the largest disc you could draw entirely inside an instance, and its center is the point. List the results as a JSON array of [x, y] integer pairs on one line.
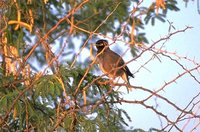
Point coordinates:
[[109, 62]]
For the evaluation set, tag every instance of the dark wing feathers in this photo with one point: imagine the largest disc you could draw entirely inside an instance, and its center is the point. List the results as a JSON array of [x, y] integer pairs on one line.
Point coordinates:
[[128, 72]]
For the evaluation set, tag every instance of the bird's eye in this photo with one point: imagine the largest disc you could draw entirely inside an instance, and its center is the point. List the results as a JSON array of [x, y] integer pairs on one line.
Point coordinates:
[[104, 43]]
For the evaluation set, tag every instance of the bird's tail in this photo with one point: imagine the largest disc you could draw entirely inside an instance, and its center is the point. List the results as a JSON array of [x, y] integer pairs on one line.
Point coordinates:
[[128, 72]]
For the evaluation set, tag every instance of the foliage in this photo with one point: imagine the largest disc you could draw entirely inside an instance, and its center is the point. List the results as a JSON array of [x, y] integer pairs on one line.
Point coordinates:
[[52, 95]]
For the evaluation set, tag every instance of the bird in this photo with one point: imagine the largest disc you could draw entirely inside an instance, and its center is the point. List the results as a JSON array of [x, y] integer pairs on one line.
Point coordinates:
[[111, 63]]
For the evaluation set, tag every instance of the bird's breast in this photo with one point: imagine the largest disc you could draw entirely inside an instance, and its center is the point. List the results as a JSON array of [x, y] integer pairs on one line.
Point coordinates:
[[108, 66]]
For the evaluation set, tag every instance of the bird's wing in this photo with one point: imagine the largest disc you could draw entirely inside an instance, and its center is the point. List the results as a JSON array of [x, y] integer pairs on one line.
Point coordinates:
[[117, 58]]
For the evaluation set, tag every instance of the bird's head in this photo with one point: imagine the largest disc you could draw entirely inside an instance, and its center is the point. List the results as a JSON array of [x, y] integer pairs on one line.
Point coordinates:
[[100, 44]]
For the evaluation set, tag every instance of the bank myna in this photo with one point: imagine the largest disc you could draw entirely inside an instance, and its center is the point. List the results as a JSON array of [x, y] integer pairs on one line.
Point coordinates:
[[111, 63]]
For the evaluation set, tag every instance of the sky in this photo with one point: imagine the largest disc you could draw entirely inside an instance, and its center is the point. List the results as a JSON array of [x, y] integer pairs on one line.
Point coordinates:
[[162, 70]]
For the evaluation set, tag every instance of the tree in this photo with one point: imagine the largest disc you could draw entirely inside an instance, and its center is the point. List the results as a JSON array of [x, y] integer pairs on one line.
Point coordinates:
[[45, 83]]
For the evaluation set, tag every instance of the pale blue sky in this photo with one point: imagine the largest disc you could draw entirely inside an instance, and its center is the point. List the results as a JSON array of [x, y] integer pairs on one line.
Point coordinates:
[[180, 93]]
